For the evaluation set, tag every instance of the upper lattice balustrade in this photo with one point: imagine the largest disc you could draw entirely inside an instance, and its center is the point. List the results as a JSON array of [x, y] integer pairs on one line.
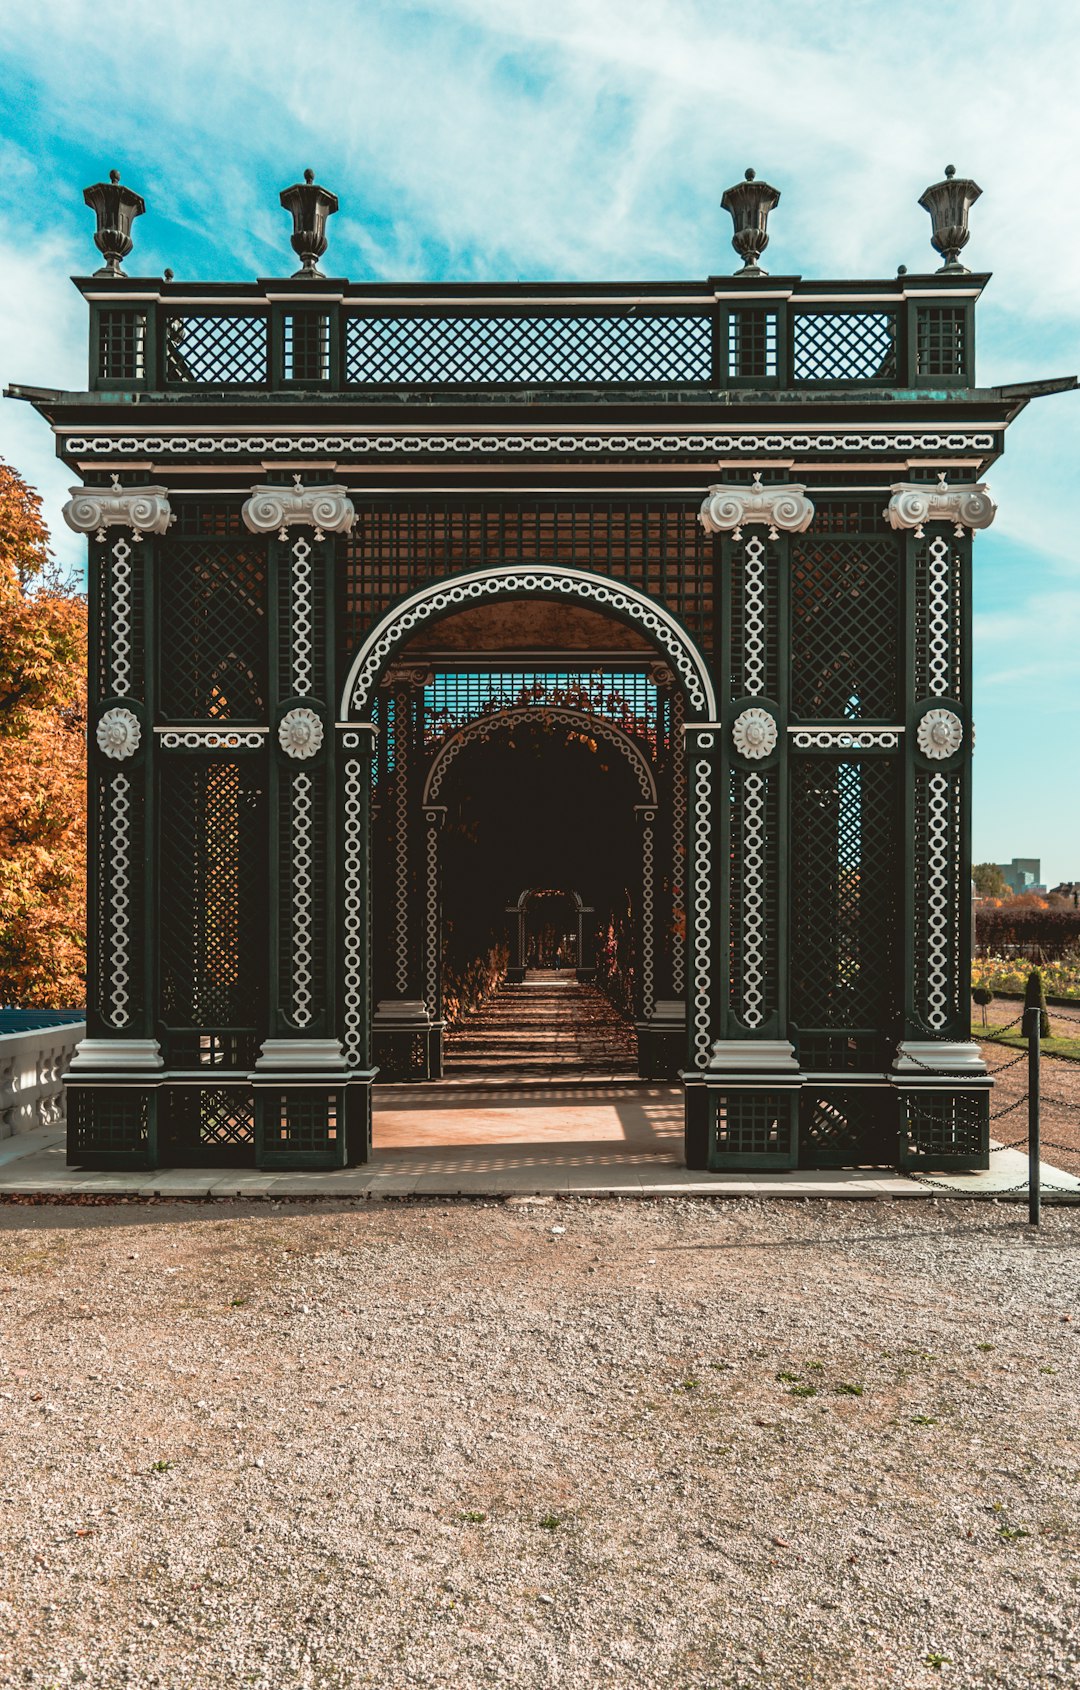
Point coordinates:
[[913, 332]]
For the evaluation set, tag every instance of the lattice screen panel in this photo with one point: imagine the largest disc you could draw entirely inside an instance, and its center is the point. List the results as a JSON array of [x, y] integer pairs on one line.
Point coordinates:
[[212, 891], [307, 346], [752, 341], [213, 632], [942, 1129], [660, 549], [217, 349], [301, 1129], [627, 697], [645, 347], [844, 346], [121, 345], [108, 1122], [845, 845], [941, 340], [754, 1128], [847, 1129], [845, 628]]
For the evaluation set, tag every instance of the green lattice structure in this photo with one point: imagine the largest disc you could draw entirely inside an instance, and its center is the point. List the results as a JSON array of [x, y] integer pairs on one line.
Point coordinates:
[[290, 488]]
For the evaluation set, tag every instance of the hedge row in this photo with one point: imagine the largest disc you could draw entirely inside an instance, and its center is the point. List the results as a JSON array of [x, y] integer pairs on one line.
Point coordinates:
[[1041, 935]]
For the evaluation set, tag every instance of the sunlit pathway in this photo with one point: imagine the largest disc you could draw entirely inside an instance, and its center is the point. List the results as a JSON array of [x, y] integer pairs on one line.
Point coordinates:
[[550, 1026]]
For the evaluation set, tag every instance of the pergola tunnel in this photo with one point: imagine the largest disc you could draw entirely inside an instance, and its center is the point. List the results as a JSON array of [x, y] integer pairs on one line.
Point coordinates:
[[528, 850]]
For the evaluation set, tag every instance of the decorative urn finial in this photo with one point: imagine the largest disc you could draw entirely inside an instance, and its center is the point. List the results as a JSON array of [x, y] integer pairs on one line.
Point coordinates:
[[115, 208], [310, 206], [948, 203], [750, 203]]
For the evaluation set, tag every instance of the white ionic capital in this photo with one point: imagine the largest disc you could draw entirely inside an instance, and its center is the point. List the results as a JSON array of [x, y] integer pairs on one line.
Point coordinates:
[[729, 509], [145, 510], [966, 505], [328, 510]]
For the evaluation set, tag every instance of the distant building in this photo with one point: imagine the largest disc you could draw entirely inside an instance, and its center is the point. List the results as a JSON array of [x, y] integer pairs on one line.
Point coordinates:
[[1023, 874]]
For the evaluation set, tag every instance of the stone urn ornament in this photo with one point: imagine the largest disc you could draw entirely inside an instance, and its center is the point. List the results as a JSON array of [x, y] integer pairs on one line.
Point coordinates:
[[949, 203], [310, 206], [115, 208], [750, 203]]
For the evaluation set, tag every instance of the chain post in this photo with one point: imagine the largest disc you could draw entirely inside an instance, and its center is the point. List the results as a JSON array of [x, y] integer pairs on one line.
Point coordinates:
[[1033, 1018]]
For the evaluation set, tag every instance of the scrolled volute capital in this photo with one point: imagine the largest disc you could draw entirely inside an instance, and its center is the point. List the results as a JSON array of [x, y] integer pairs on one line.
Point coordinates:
[[965, 505], [728, 509], [92, 510], [328, 510]]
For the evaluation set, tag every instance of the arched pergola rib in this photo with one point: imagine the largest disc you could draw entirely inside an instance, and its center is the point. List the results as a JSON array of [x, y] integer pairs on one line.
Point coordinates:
[[579, 721]]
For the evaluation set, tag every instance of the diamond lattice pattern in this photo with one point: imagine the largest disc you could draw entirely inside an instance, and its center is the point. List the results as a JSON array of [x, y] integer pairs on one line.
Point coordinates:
[[844, 346], [212, 921], [528, 349], [844, 847], [213, 619], [216, 348], [845, 611]]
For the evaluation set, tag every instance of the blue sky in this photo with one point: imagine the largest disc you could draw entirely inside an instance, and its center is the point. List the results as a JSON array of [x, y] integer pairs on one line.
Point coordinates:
[[505, 139]]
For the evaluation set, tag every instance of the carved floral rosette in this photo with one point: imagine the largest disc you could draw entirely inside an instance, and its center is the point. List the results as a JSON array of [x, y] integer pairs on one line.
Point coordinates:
[[940, 733], [300, 733], [119, 733], [967, 505], [145, 510], [754, 733], [328, 510], [728, 509]]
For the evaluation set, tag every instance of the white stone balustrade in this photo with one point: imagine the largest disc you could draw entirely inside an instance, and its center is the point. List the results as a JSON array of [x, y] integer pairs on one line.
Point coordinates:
[[32, 1061]]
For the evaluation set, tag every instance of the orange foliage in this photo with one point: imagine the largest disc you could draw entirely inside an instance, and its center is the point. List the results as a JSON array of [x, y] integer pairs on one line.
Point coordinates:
[[42, 763]]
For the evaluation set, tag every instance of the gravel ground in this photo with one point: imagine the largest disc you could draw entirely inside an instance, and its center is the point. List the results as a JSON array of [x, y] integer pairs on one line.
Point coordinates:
[[683, 1443], [1059, 1087]]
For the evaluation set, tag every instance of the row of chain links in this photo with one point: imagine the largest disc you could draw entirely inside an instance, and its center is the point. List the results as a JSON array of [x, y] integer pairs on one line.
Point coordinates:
[[1007, 1109]]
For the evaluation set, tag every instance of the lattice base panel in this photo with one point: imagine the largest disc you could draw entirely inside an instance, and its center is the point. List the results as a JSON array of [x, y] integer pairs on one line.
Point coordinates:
[[661, 1055], [753, 1127], [206, 1127], [848, 1128], [314, 1126], [111, 1127], [408, 1054], [944, 1129]]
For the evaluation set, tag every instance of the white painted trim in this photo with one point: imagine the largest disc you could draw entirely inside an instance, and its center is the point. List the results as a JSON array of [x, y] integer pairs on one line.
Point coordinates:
[[588, 588]]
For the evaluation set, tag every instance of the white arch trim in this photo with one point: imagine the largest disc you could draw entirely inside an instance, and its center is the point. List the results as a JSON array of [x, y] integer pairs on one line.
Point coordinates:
[[482, 727], [461, 592]]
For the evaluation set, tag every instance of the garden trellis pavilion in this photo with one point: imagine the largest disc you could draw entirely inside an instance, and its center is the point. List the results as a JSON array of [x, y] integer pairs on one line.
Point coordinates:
[[371, 564]]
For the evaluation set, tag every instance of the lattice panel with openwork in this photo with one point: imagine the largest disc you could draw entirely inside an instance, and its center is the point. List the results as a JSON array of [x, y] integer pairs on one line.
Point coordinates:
[[823, 1052], [941, 1129], [121, 345], [845, 628], [627, 697], [848, 516], [207, 1126], [844, 346], [217, 348], [660, 549], [213, 632], [938, 617], [754, 619], [841, 1128], [755, 844], [752, 343], [106, 1122], [644, 347], [301, 1129], [753, 1124], [212, 894], [941, 340], [306, 346], [845, 842]]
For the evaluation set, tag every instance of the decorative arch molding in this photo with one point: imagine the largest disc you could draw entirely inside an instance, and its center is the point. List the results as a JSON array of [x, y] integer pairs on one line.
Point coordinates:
[[596, 592], [580, 721]]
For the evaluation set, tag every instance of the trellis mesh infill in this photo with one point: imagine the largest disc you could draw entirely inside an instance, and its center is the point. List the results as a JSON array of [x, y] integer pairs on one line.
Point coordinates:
[[844, 346], [753, 1124], [104, 1122], [946, 1125], [555, 349], [216, 348], [213, 620], [211, 1118], [627, 698], [845, 607], [212, 921], [844, 832]]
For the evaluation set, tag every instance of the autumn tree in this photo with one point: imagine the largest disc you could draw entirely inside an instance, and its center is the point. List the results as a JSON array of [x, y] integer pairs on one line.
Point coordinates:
[[989, 881], [42, 763]]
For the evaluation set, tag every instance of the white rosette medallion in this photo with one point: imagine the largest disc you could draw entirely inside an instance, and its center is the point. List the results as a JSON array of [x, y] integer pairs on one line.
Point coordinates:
[[939, 734], [754, 733], [300, 732], [119, 733]]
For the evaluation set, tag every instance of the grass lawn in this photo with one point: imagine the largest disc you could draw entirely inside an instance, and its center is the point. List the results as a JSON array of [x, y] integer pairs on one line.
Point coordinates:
[[1050, 1047]]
